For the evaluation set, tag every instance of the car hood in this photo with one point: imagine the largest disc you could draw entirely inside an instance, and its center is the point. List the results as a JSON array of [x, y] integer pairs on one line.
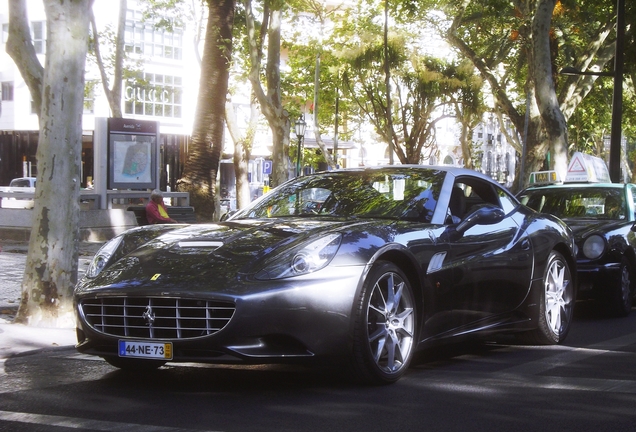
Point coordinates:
[[584, 227], [199, 257]]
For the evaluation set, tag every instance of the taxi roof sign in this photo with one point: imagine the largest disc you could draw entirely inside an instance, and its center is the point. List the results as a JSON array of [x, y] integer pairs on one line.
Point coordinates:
[[544, 177], [587, 168]]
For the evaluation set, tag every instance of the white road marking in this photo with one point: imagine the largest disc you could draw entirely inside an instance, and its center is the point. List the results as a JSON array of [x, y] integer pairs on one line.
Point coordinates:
[[77, 423]]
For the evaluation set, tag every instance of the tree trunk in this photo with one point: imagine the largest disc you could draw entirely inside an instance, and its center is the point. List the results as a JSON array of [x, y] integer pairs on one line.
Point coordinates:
[[51, 266], [328, 158], [201, 168], [465, 139], [270, 101], [112, 95], [20, 48], [553, 120], [536, 147], [242, 150]]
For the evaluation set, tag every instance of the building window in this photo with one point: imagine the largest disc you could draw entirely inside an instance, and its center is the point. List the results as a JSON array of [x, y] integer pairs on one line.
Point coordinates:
[[5, 33], [154, 95], [38, 34], [89, 97], [7, 91], [143, 37]]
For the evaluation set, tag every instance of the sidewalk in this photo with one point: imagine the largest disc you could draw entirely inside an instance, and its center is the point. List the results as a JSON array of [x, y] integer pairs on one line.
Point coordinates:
[[18, 338]]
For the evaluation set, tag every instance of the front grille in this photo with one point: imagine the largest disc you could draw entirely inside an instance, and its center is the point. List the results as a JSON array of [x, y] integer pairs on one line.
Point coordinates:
[[156, 317]]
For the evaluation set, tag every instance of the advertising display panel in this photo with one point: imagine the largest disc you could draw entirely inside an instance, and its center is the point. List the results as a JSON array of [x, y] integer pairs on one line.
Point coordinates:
[[132, 154]]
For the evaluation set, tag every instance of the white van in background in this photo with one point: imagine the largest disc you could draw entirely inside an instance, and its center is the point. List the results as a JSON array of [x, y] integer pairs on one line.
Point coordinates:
[[16, 187]]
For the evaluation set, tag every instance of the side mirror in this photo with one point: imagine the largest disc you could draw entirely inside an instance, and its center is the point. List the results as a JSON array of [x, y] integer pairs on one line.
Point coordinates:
[[487, 214], [227, 215]]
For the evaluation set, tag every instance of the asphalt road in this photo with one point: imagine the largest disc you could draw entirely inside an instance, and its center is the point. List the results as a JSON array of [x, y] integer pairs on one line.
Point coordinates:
[[588, 384]]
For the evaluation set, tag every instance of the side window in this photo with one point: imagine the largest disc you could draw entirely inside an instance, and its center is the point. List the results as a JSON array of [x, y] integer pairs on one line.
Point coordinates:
[[632, 204], [507, 202], [468, 195]]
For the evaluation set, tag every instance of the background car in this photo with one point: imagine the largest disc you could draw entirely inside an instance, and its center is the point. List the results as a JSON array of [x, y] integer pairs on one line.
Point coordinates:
[[18, 186], [602, 216], [359, 268], [602, 219]]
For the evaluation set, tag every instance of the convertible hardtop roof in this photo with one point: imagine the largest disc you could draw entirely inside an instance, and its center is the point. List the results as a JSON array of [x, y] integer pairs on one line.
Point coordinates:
[[456, 171], [577, 186]]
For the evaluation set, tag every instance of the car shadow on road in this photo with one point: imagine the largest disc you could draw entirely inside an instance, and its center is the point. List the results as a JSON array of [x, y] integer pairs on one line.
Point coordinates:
[[187, 377]]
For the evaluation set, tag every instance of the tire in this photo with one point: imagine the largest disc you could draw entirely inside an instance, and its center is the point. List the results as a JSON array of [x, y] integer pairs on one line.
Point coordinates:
[[384, 326], [135, 365], [556, 308], [619, 301]]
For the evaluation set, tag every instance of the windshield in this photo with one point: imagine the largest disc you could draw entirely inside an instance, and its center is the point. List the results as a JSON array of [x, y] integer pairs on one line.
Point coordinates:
[[591, 203], [409, 194]]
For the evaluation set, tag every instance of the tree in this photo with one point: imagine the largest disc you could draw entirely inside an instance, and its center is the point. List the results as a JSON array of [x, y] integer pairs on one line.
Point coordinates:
[[201, 168], [57, 89], [469, 109], [243, 143], [243, 138], [498, 39], [314, 73], [551, 115], [270, 99], [423, 88], [113, 94]]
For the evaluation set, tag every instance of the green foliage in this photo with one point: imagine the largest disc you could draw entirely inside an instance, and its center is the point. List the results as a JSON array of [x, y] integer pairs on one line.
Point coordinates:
[[168, 14], [424, 88]]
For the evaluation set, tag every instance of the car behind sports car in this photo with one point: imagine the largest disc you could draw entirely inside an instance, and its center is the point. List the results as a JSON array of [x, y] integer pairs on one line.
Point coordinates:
[[361, 267], [602, 218]]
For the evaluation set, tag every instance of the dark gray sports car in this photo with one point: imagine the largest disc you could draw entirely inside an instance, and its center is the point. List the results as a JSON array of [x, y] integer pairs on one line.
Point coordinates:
[[360, 267]]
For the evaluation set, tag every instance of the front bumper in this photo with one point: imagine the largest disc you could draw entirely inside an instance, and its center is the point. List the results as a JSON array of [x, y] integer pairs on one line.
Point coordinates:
[[596, 279], [288, 320]]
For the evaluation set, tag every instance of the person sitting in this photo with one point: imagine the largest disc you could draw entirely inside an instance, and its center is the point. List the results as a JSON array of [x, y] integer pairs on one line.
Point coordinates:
[[156, 212]]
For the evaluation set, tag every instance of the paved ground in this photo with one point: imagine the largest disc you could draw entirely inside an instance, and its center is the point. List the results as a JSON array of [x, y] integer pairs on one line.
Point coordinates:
[[16, 338]]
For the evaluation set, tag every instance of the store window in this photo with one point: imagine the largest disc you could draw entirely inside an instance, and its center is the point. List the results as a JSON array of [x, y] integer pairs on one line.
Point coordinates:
[[155, 95], [7, 91], [144, 37], [89, 97], [38, 35], [5, 33]]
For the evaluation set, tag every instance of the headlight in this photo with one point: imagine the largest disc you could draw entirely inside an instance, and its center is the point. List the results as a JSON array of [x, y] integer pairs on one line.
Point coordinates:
[[594, 246], [305, 259], [100, 261]]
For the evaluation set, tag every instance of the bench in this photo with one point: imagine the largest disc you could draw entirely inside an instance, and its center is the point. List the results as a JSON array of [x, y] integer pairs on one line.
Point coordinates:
[[180, 214]]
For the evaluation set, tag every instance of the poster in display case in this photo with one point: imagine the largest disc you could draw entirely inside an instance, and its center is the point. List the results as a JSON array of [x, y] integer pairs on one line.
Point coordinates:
[[132, 154]]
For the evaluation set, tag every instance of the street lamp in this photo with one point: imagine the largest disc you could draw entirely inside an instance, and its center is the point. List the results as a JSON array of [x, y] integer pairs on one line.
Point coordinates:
[[617, 100], [299, 128]]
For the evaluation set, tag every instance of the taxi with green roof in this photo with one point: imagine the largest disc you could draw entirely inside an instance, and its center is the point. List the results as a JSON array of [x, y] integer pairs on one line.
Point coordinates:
[[602, 216]]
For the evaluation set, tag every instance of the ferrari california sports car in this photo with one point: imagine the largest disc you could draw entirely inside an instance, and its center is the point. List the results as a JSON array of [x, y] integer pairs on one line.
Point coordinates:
[[356, 267]]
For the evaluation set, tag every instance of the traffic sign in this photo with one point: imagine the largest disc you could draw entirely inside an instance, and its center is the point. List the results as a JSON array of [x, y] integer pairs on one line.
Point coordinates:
[[267, 167]]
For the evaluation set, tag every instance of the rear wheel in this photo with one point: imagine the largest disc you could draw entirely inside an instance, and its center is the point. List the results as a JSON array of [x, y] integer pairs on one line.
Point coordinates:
[[557, 304], [134, 364], [384, 327], [619, 302]]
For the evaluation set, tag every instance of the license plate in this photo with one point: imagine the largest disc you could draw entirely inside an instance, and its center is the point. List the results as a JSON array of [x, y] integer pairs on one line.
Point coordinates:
[[150, 350]]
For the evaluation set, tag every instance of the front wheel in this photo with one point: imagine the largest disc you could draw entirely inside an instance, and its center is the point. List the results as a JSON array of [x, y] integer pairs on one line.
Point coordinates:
[[384, 326], [556, 307]]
